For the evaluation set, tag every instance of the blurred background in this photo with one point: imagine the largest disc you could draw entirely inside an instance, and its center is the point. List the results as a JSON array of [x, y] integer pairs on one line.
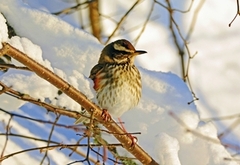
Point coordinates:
[[190, 38]]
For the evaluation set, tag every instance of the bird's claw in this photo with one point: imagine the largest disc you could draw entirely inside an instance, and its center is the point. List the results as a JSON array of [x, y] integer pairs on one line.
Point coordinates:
[[105, 115], [134, 139]]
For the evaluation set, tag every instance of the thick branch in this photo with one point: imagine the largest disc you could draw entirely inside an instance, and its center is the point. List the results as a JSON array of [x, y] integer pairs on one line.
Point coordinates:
[[95, 19], [80, 98]]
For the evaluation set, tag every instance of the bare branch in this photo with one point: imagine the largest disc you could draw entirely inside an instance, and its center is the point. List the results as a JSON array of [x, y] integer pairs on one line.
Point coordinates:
[[121, 21], [222, 118], [7, 131], [178, 10], [49, 147], [238, 13], [176, 33], [202, 136], [49, 139], [73, 8], [95, 19], [70, 146], [194, 19], [145, 23], [229, 129], [7, 66]]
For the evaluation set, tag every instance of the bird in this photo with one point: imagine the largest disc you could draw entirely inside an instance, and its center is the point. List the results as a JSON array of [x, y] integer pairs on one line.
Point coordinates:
[[116, 79]]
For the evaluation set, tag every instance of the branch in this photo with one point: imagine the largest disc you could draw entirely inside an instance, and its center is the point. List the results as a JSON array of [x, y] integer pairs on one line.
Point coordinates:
[[7, 66], [49, 139], [198, 134], [145, 24], [72, 9], [95, 19], [121, 21], [8, 127], [72, 127], [69, 146], [176, 32], [194, 18], [80, 98], [42, 149], [238, 13]]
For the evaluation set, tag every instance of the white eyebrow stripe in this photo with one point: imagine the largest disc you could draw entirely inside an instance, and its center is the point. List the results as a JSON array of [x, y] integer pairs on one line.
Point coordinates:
[[122, 48]]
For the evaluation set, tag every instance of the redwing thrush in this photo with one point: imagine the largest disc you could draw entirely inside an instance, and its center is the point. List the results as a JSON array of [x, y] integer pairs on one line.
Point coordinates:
[[116, 79]]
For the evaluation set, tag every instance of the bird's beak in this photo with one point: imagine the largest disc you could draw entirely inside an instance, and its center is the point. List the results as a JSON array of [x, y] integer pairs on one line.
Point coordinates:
[[138, 52]]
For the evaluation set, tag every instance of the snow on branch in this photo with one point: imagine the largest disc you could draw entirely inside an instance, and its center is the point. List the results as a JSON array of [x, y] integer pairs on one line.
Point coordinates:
[[80, 98]]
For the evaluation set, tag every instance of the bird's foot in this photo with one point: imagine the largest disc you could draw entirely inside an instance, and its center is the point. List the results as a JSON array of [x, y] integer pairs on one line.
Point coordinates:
[[105, 115], [134, 139]]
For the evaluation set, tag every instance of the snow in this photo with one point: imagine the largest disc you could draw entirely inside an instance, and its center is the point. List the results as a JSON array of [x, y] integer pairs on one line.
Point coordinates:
[[71, 53], [33, 51], [3, 30]]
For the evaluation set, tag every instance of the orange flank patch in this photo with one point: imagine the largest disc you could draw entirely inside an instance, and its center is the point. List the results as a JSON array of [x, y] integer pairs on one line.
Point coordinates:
[[96, 83]]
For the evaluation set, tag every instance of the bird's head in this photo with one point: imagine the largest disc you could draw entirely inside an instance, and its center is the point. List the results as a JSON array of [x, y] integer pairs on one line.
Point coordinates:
[[119, 52]]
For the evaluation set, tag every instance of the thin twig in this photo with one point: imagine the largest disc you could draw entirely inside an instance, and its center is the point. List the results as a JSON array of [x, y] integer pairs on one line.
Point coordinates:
[[116, 162], [145, 23], [198, 134], [194, 18], [181, 52], [50, 147], [7, 131], [229, 129], [25, 97], [177, 10], [80, 15], [5, 66], [238, 13], [221, 118], [73, 127], [176, 43], [70, 146], [202, 136], [49, 139], [121, 21], [73, 8], [88, 142]]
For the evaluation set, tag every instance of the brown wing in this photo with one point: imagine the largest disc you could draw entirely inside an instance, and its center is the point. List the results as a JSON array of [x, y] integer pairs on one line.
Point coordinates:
[[94, 75]]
